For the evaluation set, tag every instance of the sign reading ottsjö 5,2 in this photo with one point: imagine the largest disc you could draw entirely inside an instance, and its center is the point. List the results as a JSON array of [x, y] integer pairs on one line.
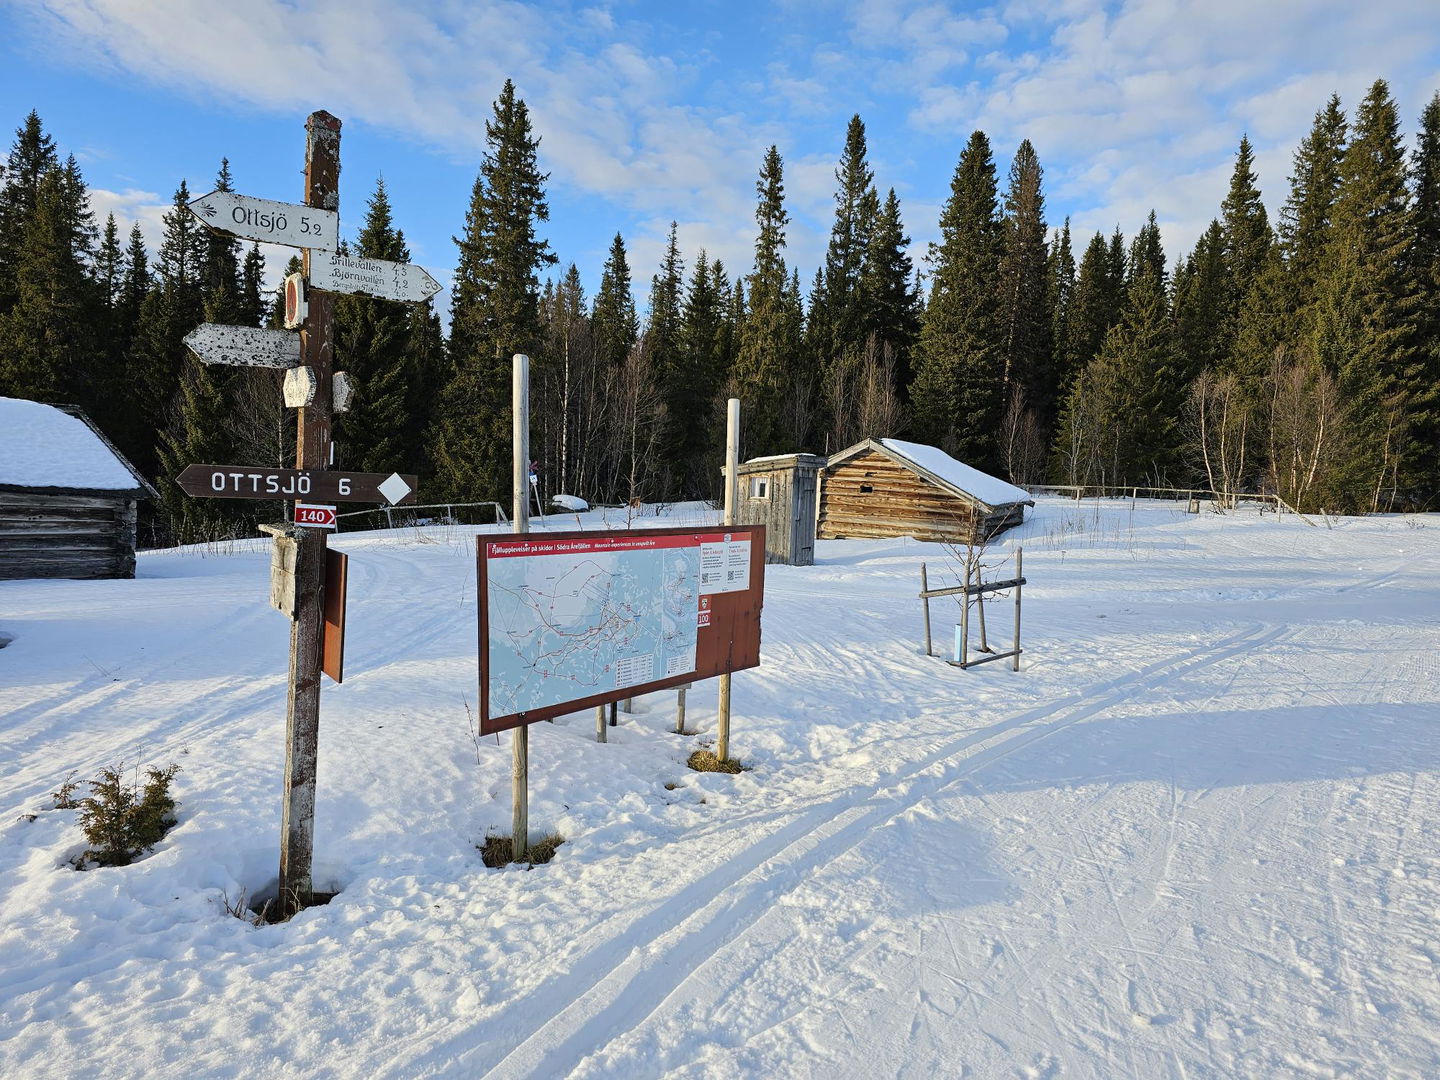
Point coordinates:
[[331, 485], [268, 221]]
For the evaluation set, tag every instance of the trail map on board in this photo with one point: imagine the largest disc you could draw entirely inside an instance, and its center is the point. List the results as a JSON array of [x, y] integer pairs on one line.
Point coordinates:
[[577, 617]]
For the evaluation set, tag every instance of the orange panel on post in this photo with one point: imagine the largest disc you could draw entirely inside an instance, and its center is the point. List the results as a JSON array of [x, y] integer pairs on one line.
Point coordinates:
[[337, 568]]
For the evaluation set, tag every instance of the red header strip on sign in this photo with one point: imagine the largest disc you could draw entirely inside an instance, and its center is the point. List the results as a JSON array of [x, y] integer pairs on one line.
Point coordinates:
[[505, 549]]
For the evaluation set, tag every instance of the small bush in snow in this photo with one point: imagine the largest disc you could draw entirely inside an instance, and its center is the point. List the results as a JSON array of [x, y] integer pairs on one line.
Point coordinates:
[[63, 797], [121, 821]]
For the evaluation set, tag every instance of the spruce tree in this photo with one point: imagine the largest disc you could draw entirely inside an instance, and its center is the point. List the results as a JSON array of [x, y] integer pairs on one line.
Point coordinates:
[[1094, 309], [1203, 299], [30, 158], [372, 339], [1060, 278], [1365, 331], [956, 396], [662, 339], [49, 336], [891, 316], [841, 307], [171, 309], [1025, 316], [704, 337], [494, 307], [769, 331], [1425, 272], [1244, 225], [1306, 218], [614, 321]]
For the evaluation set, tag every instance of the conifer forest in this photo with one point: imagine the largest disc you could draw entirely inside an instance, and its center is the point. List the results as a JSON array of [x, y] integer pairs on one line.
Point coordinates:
[[1298, 356]]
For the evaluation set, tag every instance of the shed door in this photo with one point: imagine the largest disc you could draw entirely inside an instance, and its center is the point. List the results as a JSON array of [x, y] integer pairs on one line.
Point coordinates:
[[802, 529]]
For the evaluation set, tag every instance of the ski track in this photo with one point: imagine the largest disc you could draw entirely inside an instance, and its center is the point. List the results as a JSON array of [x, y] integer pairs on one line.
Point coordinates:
[[605, 996]]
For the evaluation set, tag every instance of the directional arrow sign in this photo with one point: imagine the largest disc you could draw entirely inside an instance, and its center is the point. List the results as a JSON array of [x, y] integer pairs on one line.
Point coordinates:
[[269, 222], [371, 277], [245, 346], [332, 485]]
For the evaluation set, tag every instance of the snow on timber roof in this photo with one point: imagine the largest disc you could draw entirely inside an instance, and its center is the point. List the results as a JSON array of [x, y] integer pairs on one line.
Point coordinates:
[[43, 447], [988, 489]]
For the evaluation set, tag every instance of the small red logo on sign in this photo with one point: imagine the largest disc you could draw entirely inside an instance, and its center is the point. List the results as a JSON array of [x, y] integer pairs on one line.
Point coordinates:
[[315, 516]]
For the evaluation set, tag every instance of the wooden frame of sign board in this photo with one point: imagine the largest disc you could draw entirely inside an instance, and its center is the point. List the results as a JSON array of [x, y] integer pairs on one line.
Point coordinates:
[[730, 641]]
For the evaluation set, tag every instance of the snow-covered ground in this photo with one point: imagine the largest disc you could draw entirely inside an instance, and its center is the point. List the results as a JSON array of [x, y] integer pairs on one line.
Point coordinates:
[[1197, 835]]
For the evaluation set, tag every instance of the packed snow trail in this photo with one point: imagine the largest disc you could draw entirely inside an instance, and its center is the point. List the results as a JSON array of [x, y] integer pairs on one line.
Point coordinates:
[[1195, 836]]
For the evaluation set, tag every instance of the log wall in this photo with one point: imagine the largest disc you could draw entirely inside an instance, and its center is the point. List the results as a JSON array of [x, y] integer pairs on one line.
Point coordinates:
[[66, 536], [872, 496]]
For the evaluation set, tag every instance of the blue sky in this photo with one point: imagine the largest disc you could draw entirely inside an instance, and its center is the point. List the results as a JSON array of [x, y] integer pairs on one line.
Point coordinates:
[[650, 112]]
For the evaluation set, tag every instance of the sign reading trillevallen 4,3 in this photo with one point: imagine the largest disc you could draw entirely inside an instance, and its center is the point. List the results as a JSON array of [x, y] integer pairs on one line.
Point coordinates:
[[269, 222], [331, 485]]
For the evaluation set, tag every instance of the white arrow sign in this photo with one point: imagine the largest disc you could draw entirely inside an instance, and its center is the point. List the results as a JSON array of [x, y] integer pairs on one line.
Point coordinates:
[[245, 346], [371, 277], [269, 222]]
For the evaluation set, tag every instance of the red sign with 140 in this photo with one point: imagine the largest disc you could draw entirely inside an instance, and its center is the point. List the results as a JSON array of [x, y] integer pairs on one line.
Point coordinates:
[[314, 516]]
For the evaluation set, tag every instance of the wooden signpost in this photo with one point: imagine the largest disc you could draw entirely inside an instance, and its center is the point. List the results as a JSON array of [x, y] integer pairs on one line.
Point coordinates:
[[323, 485], [307, 580]]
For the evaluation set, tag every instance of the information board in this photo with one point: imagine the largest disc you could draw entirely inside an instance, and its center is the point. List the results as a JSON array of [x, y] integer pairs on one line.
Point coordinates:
[[576, 619]]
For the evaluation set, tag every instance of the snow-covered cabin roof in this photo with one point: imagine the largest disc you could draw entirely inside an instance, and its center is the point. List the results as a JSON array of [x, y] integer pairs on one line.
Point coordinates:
[[55, 449], [940, 468]]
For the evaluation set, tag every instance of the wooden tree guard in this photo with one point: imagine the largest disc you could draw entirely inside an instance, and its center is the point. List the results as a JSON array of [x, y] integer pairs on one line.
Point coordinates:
[[979, 589]]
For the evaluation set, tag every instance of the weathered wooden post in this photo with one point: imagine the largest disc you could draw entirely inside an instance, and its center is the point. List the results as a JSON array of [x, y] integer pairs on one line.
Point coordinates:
[[680, 711], [1019, 584], [732, 487], [520, 737], [599, 723], [925, 588], [965, 620], [312, 451]]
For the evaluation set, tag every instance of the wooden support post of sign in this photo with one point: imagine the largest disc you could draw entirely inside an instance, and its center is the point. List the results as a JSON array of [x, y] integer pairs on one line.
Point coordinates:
[[732, 482], [312, 451], [1019, 584], [599, 723], [680, 711], [965, 621], [925, 588], [520, 737]]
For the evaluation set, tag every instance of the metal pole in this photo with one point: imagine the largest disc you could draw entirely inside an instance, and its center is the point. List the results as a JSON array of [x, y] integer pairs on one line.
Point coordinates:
[[312, 451], [924, 588], [520, 737], [732, 480], [1019, 576]]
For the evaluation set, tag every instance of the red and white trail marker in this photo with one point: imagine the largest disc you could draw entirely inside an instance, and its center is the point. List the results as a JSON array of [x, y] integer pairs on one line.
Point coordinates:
[[314, 516]]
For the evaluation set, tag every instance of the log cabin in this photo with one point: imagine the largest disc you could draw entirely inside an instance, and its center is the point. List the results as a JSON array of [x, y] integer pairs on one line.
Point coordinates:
[[68, 498], [886, 487]]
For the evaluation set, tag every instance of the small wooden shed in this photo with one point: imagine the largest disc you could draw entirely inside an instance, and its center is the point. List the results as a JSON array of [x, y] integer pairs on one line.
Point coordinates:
[[779, 493], [886, 487], [68, 498]]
